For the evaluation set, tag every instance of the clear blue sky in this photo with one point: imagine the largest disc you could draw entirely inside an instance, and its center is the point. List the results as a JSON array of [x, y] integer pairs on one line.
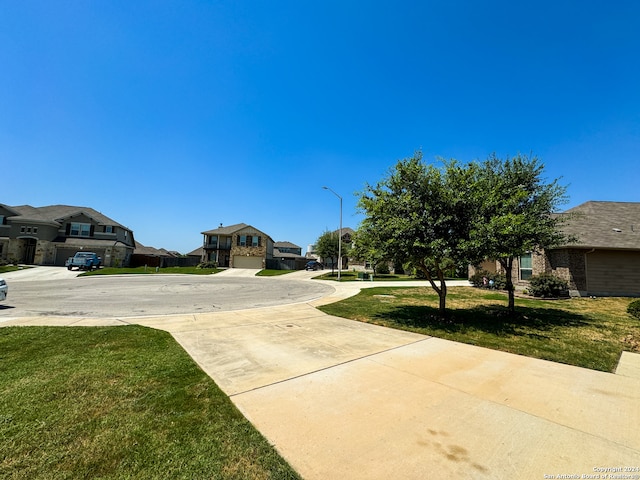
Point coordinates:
[[174, 117]]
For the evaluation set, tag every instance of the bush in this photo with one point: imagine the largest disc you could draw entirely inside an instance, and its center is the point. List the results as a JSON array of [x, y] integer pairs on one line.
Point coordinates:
[[382, 268], [484, 279], [208, 265], [548, 286], [634, 309]]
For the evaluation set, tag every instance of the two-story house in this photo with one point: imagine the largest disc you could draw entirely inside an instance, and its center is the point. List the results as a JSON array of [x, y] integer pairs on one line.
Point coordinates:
[[49, 235], [237, 246], [288, 256]]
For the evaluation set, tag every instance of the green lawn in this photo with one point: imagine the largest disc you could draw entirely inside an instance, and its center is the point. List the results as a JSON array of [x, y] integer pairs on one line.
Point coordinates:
[[151, 270], [272, 273], [116, 403], [586, 332], [353, 277], [10, 268]]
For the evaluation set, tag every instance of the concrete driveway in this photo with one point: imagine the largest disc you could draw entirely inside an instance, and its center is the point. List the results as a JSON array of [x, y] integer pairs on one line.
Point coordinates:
[[348, 400]]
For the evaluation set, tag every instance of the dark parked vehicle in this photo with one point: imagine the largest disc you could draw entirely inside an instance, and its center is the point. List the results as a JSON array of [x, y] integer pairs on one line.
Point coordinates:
[[313, 265]]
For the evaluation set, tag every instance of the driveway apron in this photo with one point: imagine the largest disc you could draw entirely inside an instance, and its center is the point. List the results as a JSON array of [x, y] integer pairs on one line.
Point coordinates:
[[347, 400]]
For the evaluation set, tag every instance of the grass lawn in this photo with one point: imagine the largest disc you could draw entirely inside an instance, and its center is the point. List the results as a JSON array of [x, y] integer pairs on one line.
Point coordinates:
[[10, 268], [272, 273], [585, 332], [119, 402], [151, 270], [353, 277]]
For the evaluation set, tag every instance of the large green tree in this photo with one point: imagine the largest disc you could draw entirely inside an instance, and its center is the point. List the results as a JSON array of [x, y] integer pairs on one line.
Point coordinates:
[[515, 213], [327, 247], [421, 213]]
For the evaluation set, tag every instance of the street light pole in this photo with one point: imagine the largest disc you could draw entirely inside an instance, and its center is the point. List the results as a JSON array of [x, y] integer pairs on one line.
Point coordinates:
[[339, 233]]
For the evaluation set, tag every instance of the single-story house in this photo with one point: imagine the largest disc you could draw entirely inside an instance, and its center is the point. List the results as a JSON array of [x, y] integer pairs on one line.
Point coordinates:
[[160, 257], [49, 235], [603, 261], [237, 246]]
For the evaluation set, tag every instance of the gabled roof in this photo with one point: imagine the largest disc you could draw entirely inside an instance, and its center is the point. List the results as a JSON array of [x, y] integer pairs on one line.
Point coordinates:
[[285, 245], [610, 225], [231, 229], [226, 230], [198, 252], [151, 251], [57, 214]]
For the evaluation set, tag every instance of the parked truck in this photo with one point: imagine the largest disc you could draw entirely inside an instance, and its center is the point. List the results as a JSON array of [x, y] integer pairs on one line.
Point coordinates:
[[84, 261]]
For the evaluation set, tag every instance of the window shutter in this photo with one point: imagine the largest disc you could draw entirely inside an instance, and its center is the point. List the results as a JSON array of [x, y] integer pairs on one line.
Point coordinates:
[[91, 230], [259, 241], [67, 229]]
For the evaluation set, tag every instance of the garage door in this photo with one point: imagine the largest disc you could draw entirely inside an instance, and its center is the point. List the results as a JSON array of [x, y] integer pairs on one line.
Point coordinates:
[[613, 273], [63, 253], [240, 261]]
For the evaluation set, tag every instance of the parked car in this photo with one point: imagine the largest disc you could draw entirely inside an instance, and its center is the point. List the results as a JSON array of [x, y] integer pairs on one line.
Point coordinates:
[[84, 261], [4, 289], [313, 265]]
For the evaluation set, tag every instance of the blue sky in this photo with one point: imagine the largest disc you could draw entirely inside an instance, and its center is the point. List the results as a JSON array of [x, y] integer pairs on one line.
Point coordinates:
[[174, 117]]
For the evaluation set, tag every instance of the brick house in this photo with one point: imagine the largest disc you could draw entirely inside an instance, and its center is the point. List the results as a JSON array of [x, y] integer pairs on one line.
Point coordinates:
[[237, 246], [604, 260], [49, 235]]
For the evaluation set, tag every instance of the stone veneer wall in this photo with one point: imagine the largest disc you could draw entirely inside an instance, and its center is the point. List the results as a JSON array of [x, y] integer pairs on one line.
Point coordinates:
[[260, 251]]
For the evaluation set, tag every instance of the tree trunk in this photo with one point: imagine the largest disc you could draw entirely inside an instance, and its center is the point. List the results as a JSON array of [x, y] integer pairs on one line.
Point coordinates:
[[508, 268], [441, 291]]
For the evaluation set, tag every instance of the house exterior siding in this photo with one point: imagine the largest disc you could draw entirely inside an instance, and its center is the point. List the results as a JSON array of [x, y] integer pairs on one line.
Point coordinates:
[[49, 235], [603, 260], [226, 247]]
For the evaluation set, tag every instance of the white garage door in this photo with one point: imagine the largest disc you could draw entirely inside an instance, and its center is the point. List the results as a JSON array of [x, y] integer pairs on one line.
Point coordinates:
[[613, 273], [240, 261]]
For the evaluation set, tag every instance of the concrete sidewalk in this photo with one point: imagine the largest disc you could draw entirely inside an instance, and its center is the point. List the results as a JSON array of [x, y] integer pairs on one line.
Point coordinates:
[[347, 400]]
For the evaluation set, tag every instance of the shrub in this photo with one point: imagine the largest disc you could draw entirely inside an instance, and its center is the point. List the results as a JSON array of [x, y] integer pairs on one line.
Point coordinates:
[[484, 279], [634, 309], [548, 286], [382, 268], [207, 265]]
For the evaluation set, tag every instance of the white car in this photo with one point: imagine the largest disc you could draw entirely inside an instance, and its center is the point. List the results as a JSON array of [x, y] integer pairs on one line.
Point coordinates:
[[4, 288]]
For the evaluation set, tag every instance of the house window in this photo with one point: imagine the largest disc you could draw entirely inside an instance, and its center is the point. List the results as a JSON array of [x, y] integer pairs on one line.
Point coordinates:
[[526, 269], [23, 229], [1, 219], [80, 230], [34, 230], [255, 241], [242, 241], [213, 241], [108, 229]]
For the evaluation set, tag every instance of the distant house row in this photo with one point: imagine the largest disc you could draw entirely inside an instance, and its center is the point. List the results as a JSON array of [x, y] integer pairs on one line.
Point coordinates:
[[49, 235], [605, 259]]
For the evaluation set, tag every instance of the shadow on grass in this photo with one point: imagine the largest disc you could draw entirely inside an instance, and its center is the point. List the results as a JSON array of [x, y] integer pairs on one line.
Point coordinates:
[[493, 319]]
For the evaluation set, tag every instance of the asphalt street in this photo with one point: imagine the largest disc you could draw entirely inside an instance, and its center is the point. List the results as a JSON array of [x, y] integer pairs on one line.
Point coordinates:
[[54, 291]]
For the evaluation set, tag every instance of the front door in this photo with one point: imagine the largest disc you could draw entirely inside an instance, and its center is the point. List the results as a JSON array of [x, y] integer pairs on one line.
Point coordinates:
[[29, 250]]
